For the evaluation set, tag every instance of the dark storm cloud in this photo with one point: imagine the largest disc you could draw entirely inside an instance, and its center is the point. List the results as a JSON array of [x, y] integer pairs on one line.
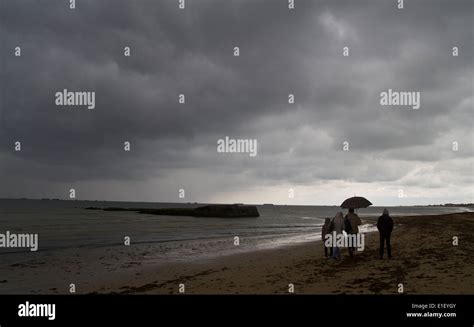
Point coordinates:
[[190, 51]]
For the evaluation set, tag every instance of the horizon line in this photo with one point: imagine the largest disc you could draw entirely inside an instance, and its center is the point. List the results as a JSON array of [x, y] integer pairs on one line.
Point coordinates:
[[242, 203]]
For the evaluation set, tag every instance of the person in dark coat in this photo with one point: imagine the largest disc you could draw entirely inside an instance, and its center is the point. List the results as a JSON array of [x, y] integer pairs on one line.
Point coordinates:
[[327, 229], [385, 227]]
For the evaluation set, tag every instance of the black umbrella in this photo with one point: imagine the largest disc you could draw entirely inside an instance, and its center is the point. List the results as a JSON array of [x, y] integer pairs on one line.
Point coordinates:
[[355, 202]]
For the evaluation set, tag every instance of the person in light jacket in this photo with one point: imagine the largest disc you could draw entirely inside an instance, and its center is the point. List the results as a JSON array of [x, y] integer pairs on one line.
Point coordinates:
[[338, 222]]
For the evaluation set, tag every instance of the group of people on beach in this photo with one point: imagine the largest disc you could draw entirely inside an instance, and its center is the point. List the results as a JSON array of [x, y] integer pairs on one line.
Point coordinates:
[[350, 224]]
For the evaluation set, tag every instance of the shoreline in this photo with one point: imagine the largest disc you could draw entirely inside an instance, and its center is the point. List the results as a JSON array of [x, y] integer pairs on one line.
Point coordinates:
[[303, 265], [426, 263]]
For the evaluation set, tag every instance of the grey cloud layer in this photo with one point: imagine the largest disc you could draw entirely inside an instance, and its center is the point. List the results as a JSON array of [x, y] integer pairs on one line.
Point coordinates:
[[190, 52]]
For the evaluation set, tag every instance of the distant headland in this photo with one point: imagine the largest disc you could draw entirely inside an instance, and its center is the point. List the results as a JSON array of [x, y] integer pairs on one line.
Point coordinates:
[[215, 210]]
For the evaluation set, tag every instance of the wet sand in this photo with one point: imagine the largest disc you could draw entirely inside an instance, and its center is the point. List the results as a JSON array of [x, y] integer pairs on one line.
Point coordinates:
[[425, 262]]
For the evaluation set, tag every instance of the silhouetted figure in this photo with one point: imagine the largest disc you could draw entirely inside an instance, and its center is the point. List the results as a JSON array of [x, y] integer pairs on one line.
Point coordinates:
[[338, 223], [385, 227], [327, 229]]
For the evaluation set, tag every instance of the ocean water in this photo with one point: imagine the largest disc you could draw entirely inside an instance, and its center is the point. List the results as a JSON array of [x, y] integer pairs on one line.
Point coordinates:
[[66, 224]]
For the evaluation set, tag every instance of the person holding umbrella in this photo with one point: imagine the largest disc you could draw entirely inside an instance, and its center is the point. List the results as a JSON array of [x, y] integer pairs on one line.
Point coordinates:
[[352, 220], [353, 227]]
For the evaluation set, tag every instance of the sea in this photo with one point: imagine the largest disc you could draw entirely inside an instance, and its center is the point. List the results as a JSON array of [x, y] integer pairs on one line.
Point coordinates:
[[65, 224]]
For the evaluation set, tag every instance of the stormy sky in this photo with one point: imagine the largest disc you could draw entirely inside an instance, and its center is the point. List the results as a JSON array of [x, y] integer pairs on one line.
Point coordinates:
[[396, 155]]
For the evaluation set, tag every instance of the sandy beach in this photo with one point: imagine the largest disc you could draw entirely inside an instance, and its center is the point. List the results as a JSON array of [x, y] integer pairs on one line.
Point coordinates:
[[425, 262]]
